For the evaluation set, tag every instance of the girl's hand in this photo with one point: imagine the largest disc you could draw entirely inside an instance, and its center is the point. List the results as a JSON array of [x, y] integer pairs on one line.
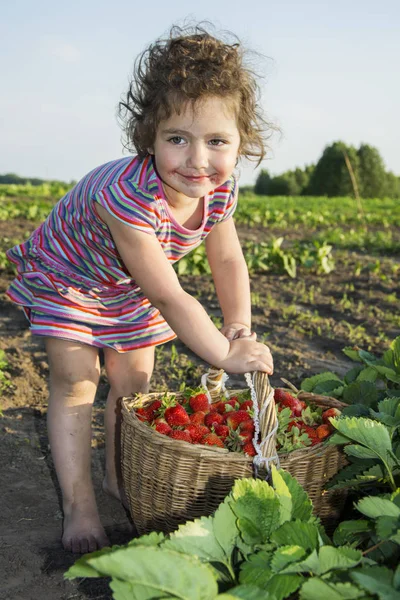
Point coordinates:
[[233, 331], [245, 355]]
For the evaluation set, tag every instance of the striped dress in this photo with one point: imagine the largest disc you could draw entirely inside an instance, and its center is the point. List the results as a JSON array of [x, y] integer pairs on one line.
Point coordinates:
[[71, 281]]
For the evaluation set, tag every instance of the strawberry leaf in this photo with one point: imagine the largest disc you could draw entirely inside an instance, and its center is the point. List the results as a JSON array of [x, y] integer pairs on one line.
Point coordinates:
[[282, 586], [256, 570], [243, 592], [301, 504], [349, 532], [374, 436], [296, 533], [257, 509], [316, 588], [161, 572], [309, 384], [376, 580], [285, 555], [375, 506]]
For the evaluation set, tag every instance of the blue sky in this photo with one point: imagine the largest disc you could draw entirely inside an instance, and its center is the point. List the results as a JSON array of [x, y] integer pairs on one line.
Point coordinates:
[[332, 71]]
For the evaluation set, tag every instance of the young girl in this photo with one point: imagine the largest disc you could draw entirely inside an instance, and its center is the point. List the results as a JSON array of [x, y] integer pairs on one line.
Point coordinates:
[[98, 272]]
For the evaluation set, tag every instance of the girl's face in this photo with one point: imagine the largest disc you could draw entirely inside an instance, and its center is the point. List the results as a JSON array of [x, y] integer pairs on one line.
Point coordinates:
[[196, 151]]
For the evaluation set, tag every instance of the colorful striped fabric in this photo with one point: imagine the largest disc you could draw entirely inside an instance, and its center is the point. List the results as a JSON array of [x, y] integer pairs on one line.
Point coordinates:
[[71, 280]]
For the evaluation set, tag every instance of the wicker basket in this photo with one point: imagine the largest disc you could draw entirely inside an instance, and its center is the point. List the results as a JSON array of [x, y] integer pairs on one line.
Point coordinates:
[[168, 482]]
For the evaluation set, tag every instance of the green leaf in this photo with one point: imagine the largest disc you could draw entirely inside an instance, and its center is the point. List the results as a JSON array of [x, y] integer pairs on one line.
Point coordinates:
[[329, 388], [256, 570], [356, 474], [155, 538], [332, 559], [284, 495], [208, 538], [352, 353], [361, 392], [301, 504], [244, 592], [257, 509], [308, 384], [389, 406], [352, 374], [368, 374], [359, 451], [285, 555], [356, 410], [367, 357], [371, 434], [386, 527], [396, 578], [282, 586], [296, 533], [376, 580], [163, 571], [390, 374], [83, 568], [316, 589], [348, 532], [374, 507]]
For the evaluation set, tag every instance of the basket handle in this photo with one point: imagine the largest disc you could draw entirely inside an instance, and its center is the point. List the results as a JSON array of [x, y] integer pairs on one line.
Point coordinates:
[[265, 420]]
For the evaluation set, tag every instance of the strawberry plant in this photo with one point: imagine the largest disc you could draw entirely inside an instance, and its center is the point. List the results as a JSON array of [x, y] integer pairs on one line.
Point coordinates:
[[262, 542]]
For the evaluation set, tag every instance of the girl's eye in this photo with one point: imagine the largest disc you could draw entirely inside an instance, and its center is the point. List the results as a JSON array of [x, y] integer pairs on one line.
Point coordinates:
[[176, 140], [217, 142]]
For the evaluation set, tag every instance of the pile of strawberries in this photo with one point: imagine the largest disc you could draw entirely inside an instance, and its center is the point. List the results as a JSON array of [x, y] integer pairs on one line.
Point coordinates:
[[300, 424], [229, 422], [226, 424]]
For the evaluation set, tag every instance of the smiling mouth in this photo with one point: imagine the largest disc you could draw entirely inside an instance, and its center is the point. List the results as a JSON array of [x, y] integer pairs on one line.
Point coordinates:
[[196, 177]]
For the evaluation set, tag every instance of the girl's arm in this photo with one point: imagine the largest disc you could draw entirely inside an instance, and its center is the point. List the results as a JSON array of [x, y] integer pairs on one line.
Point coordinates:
[[153, 273], [231, 278]]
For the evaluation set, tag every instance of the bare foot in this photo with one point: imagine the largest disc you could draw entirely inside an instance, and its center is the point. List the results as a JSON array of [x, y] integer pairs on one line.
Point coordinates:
[[116, 492], [83, 532]]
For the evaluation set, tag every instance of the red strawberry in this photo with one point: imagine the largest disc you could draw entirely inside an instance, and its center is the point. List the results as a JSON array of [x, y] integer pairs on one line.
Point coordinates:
[[162, 426], [312, 434], [296, 406], [298, 424], [247, 426], [280, 395], [323, 431], [331, 412], [235, 418], [234, 402], [176, 415], [197, 418], [211, 439], [144, 414], [245, 436], [249, 449], [213, 418], [199, 402], [197, 432], [220, 406], [246, 405], [177, 434], [222, 431]]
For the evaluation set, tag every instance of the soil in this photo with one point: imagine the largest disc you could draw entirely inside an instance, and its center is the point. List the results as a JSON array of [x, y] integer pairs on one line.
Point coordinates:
[[32, 559]]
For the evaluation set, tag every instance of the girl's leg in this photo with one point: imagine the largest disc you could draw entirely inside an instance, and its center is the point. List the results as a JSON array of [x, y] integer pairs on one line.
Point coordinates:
[[128, 373], [74, 376]]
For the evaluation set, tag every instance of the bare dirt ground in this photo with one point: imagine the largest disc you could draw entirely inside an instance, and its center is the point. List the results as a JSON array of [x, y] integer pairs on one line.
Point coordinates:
[[305, 321]]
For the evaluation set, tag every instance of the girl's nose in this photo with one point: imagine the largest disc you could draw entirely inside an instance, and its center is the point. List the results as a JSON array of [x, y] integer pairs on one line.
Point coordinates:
[[197, 158]]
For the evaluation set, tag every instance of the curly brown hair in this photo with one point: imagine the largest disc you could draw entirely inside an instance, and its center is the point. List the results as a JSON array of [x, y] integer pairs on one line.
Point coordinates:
[[186, 67]]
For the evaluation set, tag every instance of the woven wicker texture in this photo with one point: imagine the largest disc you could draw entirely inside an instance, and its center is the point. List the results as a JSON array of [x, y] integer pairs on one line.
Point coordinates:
[[168, 482]]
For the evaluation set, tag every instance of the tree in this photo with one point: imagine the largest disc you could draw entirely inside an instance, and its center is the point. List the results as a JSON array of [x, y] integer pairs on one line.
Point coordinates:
[[372, 173], [331, 176], [262, 183]]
